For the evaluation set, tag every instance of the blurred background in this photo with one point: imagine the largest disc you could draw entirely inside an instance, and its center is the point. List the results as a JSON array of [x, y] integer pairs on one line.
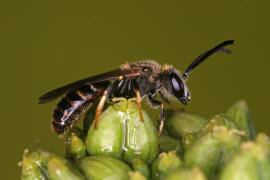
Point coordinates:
[[47, 44]]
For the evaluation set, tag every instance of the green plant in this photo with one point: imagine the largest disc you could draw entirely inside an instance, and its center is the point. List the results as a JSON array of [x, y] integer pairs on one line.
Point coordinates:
[[124, 147]]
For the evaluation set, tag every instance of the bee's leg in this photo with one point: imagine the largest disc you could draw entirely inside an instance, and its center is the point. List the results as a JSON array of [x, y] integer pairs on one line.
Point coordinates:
[[100, 107], [139, 103], [161, 118], [172, 106], [156, 103], [164, 98], [107, 93], [133, 86]]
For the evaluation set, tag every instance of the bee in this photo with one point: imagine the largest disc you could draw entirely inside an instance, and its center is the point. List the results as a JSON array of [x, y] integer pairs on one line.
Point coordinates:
[[138, 80]]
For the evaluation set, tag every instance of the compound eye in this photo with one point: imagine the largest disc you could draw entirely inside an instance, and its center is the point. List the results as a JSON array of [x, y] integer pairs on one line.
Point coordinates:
[[177, 85]]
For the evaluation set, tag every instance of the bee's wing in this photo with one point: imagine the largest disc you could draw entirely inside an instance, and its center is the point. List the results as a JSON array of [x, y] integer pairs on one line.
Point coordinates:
[[92, 79]]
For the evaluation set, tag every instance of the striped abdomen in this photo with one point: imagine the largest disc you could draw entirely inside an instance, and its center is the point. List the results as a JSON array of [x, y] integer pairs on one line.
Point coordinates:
[[73, 105]]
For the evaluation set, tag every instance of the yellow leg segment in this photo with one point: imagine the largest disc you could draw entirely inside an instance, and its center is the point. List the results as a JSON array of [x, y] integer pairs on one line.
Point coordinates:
[[138, 99]]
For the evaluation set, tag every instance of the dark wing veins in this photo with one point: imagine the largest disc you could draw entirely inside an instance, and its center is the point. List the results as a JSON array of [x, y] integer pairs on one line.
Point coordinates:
[[92, 79]]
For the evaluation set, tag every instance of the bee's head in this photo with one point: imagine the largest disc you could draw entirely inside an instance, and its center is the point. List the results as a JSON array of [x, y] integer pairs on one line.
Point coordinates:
[[175, 85]]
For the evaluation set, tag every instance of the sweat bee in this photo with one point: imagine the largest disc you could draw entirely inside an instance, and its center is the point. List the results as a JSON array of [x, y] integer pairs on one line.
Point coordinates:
[[142, 79]]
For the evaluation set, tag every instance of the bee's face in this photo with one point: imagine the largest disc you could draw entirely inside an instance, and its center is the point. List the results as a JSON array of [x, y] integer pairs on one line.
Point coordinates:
[[175, 86], [179, 89]]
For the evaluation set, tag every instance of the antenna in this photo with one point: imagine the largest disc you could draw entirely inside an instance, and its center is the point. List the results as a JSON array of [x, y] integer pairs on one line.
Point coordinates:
[[205, 55]]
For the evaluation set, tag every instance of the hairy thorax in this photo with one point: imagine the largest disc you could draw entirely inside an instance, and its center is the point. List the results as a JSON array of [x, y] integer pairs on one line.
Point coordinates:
[[149, 79]]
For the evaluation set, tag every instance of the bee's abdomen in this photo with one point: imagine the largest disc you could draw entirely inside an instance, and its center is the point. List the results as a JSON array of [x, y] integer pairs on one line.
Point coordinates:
[[72, 106]]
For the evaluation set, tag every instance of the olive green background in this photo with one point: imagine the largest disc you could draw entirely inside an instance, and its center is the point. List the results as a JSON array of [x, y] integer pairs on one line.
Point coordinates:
[[46, 44]]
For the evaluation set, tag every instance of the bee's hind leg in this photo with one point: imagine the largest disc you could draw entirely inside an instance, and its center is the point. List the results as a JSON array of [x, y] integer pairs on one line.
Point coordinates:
[[107, 93]]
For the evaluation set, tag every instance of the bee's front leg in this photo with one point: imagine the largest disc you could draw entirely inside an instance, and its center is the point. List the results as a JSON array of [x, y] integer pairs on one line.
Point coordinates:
[[156, 103]]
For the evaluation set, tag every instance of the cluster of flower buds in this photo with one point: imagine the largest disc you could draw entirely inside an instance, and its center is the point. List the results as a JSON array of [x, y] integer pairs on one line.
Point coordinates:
[[191, 147]]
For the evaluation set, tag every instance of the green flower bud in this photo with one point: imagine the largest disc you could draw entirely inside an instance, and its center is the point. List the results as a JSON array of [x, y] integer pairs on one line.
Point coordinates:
[[30, 167], [218, 120], [231, 140], [122, 134], [260, 154], [136, 176], [59, 168], [187, 174], [251, 163], [167, 143], [240, 168], [139, 166], [241, 115], [183, 122], [76, 148], [264, 169], [188, 140], [44, 156], [213, 151], [165, 164], [205, 154], [263, 140], [104, 167]]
